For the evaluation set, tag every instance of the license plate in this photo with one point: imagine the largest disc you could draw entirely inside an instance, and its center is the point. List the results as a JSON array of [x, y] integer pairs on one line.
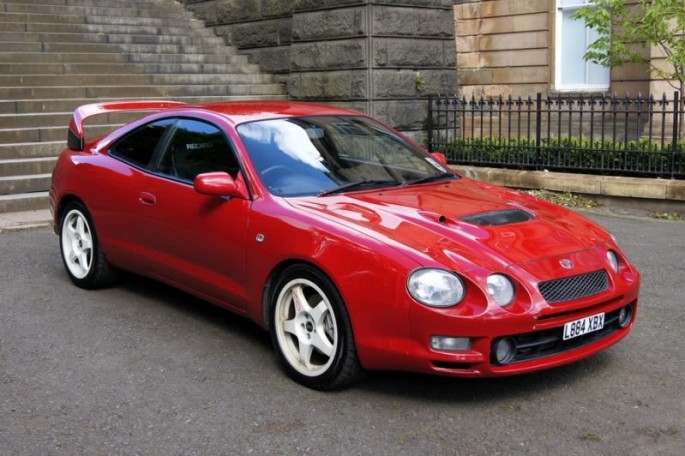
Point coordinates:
[[583, 326]]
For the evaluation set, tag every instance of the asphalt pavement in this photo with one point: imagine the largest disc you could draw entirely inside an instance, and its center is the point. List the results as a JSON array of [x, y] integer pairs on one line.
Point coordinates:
[[144, 369]]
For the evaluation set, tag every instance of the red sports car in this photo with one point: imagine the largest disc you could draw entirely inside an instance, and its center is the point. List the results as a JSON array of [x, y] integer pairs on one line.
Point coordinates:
[[354, 247]]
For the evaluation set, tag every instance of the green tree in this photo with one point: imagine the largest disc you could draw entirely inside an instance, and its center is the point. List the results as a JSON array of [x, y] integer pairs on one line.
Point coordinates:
[[625, 27]]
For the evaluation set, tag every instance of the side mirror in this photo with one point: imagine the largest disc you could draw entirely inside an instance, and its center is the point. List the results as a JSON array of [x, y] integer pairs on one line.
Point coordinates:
[[217, 184], [440, 157]]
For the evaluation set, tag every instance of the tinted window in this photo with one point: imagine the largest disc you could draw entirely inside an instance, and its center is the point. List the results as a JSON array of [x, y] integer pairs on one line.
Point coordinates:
[[138, 146], [197, 147]]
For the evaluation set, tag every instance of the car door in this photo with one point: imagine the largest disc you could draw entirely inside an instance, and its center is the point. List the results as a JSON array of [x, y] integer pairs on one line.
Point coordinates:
[[194, 241]]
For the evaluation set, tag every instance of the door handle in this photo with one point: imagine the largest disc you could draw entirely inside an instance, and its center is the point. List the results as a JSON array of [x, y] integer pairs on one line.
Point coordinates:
[[147, 198]]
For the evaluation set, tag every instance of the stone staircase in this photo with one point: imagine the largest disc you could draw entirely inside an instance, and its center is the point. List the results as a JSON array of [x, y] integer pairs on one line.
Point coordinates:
[[58, 54]]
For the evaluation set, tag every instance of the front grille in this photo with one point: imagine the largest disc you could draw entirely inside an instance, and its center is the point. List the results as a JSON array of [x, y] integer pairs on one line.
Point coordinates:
[[569, 288], [496, 218], [551, 341]]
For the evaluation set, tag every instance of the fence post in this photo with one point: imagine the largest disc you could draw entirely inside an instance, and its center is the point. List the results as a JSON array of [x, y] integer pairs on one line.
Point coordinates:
[[676, 130], [430, 123], [538, 128]]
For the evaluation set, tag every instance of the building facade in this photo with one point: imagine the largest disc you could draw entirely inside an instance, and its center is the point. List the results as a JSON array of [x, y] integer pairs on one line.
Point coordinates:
[[520, 47], [382, 58]]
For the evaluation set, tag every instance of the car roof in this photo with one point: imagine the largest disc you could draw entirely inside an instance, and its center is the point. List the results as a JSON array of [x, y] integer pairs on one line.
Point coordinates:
[[247, 111]]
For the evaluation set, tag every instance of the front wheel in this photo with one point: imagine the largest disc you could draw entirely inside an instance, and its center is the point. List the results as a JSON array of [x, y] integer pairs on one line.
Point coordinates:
[[311, 330], [83, 259]]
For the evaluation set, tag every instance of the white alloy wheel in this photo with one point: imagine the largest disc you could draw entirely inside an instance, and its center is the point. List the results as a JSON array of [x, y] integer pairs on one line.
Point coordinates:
[[77, 244], [306, 327]]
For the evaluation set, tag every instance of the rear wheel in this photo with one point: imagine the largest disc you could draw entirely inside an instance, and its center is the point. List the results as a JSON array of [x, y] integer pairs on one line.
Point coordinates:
[[83, 259], [311, 330]]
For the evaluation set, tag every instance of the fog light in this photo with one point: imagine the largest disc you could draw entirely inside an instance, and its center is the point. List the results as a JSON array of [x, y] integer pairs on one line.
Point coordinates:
[[504, 350], [450, 343], [624, 316]]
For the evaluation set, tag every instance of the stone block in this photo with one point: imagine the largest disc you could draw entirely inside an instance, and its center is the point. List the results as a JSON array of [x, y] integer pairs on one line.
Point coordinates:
[[404, 115], [271, 60], [507, 24], [234, 11], [520, 58], [256, 34], [633, 187], [475, 77], [326, 25], [517, 75], [675, 190], [329, 85], [276, 8], [443, 4], [406, 52], [402, 83], [205, 11], [345, 85], [308, 5], [346, 53], [412, 21], [307, 56]]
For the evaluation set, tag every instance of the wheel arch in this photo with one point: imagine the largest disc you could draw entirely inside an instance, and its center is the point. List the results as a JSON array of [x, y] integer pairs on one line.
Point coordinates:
[[64, 201], [273, 277]]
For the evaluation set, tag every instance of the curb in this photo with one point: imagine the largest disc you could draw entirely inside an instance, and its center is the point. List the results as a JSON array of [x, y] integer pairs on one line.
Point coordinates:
[[25, 220], [610, 186]]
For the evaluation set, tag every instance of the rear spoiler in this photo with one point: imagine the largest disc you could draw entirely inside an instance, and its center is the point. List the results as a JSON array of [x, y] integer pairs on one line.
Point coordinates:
[[76, 137]]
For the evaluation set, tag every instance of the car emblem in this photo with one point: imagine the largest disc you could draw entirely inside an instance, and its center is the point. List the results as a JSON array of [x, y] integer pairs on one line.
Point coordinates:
[[566, 264]]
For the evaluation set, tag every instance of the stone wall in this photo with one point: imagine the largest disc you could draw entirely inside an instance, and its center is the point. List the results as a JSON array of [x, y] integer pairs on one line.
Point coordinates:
[[380, 57]]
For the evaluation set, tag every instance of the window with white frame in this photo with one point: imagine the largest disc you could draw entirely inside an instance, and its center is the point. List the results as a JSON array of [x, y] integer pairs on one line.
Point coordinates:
[[572, 40]]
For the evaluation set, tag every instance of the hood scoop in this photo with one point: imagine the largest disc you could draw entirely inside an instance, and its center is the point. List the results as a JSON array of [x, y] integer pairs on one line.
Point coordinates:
[[496, 218]]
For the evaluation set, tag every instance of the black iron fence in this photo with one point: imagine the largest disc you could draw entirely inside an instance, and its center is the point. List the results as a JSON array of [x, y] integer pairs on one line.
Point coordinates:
[[597, 134]]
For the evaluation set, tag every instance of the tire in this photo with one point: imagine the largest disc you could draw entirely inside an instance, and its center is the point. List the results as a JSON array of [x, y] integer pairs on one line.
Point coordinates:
[[82, 255], [311, 330]]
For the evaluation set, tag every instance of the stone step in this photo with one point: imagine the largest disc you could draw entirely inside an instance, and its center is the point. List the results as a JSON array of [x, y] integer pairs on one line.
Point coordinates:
[[110, 48], [127, 68], [111, 3], [47, 27], [49, 134], [25, 166], [24, 202], [69, 104], [122, 10], [11, 185], [57, 119], [60, 54], [142, 91], [104, 58], [32, 150], [110, 38], [115, 48], [33, 80], [152, 20]]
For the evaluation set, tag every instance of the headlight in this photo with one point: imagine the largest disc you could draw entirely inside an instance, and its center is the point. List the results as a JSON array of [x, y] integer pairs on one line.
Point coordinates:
[[435, 287], [613, 260], [501, 289]]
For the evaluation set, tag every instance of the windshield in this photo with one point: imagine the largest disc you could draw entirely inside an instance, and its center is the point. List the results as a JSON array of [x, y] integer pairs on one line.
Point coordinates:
[[319, 155]]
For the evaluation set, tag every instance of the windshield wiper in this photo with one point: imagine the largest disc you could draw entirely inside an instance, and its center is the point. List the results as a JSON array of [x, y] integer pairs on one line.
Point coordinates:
[[359, 186], [434, 178]]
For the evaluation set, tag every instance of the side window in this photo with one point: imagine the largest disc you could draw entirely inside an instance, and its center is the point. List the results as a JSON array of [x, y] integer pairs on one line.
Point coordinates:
[[138, 146], [197, 147]]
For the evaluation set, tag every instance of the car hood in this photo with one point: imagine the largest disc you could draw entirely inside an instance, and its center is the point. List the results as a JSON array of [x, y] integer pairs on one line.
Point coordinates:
[[464, 224]]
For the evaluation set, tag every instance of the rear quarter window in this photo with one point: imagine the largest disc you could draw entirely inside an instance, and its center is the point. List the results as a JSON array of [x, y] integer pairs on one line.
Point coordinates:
[[138, 147]]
